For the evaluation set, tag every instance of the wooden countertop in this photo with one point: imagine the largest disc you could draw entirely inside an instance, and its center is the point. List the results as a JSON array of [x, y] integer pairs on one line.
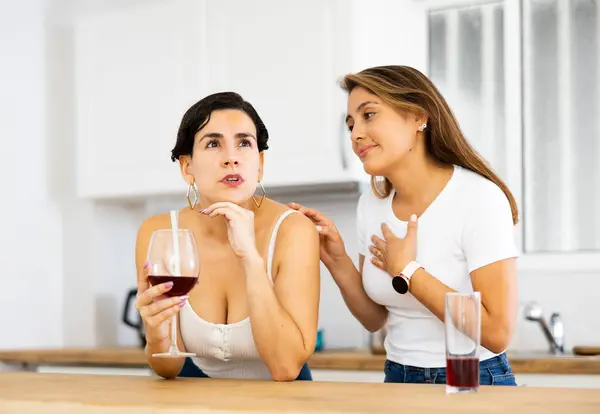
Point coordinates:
[[332, 360], [93, 357], [33, 393]]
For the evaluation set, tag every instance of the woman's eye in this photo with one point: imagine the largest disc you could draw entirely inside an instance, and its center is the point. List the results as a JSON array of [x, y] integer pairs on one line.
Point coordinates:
[[369, 115], [350, 127], [245, 143], [212, 144]]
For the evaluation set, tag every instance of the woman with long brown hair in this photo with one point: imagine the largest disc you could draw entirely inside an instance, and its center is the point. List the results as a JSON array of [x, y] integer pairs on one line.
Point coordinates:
[[437, 216]]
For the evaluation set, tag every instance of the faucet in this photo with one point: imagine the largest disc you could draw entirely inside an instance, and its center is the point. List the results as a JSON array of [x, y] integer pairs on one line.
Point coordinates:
[[553, 331]]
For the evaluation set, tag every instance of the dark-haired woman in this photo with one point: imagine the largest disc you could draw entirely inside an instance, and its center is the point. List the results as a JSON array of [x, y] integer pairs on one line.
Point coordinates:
[[254, 311], [437, 218]]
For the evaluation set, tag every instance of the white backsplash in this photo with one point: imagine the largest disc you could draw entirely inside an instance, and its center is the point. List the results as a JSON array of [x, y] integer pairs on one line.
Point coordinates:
[[94, 299]]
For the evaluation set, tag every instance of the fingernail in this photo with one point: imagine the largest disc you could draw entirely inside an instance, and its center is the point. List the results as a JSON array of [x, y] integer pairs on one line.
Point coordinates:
[[183, 298], [319, 228], [182, 303], [146, 265], [169, 284], [202, 210], [413, 218]]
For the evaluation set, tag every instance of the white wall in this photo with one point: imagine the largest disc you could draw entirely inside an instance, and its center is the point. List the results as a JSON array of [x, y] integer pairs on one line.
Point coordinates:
[[574, 295], [30, 235], [66, 262]]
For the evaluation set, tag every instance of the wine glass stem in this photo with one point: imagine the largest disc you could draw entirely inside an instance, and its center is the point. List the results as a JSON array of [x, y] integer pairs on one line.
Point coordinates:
[[174, 334]]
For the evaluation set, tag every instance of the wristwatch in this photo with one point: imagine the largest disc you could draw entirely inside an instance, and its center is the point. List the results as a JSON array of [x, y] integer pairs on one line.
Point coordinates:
[[401, 281]]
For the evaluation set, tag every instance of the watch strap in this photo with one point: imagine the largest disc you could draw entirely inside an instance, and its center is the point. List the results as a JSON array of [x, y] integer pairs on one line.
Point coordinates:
[[410, 269], [401, 282]]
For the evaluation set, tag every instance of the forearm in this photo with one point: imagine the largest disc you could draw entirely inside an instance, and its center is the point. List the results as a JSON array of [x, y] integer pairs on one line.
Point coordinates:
[[428, 290], [278, 339], [349, 280], [165, 367]]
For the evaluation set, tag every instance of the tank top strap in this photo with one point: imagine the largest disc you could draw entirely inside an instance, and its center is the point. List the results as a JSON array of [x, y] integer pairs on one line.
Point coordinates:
[[272, 241]]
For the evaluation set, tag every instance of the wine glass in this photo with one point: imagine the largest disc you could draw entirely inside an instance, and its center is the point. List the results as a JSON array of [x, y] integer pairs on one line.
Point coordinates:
[[173, 257]]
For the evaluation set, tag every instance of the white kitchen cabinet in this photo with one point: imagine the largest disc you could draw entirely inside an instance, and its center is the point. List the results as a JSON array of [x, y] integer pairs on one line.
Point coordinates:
[[332, 375], [139, 68], [50, 369], [278, 56], [327, 375], [286, 58], [530, 380], [558, 380]]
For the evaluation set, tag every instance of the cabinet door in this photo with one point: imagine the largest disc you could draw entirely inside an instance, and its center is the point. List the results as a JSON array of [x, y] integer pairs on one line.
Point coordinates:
[[278, 56], [331, 375], [558, 380], [137, 68], [369, 33]]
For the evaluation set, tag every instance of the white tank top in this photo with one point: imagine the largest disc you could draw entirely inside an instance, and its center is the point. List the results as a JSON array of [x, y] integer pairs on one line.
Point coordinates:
[[226, 350]]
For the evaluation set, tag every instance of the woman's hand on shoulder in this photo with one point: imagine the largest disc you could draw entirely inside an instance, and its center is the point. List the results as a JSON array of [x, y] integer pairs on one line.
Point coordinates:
[[240, 227], [332, 248]]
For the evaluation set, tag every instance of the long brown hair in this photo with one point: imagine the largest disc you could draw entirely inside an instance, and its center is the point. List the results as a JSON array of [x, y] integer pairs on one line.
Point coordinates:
[[407, 90]]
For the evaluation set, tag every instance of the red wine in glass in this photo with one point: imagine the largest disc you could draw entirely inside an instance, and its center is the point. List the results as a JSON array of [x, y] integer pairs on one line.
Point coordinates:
[[173, 257], [462, 372], [181, 284], [462, 322]]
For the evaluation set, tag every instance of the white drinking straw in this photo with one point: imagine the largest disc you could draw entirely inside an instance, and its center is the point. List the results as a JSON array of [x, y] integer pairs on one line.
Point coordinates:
[[175, 269]]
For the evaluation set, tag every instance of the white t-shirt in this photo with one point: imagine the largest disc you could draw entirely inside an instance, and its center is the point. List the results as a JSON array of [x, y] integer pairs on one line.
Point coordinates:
[[469, 225]]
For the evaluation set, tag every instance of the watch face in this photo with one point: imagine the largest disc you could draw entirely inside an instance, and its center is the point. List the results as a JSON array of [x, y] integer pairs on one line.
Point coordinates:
[[400, 284]]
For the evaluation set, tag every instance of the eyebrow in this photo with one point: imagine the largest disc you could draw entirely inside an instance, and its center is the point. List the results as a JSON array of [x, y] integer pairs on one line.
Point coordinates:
[[218, 135], [361, 106]]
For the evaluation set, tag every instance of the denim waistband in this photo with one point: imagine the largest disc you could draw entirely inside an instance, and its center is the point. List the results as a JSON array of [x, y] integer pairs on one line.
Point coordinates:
[[498, 360], [492, 371]]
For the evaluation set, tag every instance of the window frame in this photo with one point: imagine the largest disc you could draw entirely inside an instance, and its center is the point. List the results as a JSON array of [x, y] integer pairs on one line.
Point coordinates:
[[516, 146]]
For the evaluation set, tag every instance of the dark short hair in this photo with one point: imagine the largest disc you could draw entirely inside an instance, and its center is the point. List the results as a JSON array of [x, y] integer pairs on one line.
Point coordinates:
[[198, 116]]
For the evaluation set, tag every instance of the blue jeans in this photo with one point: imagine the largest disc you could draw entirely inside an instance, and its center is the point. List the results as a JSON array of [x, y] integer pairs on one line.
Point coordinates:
[[191, 370], [494, 371]]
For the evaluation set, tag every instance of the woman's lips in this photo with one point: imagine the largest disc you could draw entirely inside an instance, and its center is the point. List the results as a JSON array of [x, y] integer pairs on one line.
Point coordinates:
[[364, 150], [232, 180]]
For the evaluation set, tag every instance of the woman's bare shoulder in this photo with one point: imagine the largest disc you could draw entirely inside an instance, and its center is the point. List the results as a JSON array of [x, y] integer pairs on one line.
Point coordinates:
[[297, 247], [295, 225], [147, 227], [276, 209], [156, 222]]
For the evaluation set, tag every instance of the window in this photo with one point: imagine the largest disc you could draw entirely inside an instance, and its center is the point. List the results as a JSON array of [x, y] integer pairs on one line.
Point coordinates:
[[529, 101], [466, 63], [562, 136]]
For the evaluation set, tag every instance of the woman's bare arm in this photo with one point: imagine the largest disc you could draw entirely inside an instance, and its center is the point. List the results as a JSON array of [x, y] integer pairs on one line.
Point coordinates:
[[349, 280], [285, 316], [497, 283], [345, 274]]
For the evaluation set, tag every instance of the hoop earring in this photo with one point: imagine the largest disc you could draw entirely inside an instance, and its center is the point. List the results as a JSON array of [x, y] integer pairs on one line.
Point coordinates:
[[192, 187], [258, 203], [422, 127]]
